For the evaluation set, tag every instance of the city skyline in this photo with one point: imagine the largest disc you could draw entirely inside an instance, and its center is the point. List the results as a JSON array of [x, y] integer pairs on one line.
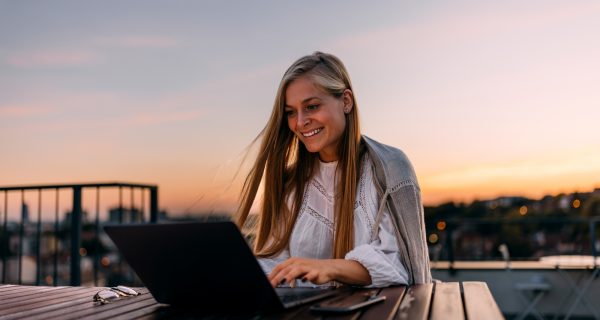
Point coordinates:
[[486, 99]]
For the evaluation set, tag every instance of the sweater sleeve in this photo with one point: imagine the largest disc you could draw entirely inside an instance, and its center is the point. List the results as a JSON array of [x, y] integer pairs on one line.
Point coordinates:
[[381, 257], [267, 264]]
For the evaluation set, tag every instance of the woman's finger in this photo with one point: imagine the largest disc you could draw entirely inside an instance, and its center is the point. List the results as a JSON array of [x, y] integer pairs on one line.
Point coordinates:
[[312, 276], [294, 273], [275, 275]]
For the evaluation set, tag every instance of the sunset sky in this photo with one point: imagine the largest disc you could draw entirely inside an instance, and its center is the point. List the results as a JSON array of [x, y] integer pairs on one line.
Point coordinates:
[[487, 98]]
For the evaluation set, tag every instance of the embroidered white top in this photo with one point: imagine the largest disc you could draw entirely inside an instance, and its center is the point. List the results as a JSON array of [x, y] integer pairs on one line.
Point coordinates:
[[312, 236]]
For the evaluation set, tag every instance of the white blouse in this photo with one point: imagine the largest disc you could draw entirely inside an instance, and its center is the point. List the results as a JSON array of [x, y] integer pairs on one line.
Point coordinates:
[[312, 236]]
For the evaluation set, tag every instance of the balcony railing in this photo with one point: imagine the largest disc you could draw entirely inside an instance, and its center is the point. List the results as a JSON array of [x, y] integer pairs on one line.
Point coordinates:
[[74, 224], [478, 239]]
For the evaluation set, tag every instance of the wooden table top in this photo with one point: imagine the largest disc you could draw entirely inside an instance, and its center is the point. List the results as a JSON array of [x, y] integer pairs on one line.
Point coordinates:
[[450, 300]]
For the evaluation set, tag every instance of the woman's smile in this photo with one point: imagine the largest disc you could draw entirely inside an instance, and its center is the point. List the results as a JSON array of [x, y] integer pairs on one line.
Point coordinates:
[[311, 133]]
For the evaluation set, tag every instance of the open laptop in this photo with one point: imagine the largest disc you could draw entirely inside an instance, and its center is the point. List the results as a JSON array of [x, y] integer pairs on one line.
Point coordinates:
[[204, 265]]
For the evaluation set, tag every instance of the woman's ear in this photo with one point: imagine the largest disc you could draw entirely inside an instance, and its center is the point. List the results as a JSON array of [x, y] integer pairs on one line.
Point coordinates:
[[348, 101]]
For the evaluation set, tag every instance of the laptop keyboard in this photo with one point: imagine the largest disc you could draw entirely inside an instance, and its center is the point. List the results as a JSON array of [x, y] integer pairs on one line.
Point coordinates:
[[296, 295]]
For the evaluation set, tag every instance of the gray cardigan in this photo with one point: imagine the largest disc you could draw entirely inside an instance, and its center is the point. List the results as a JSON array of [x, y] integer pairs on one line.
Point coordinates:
[[400, 193]]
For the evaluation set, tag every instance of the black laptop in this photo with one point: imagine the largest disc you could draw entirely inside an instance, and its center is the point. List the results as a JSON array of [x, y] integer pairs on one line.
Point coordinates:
[[204, 265]]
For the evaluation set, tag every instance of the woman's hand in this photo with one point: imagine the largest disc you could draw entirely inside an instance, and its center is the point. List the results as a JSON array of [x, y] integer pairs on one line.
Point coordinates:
[[319, 271]]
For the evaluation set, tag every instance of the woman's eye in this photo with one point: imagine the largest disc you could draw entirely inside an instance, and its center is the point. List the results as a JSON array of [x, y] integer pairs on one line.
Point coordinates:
[[290, 113], [312, 107]]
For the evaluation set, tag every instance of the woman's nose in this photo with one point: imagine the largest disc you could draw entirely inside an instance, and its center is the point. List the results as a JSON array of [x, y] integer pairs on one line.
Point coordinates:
[[302, 119]]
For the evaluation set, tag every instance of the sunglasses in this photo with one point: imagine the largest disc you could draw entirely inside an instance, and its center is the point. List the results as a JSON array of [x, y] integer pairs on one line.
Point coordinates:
[[114, 293]]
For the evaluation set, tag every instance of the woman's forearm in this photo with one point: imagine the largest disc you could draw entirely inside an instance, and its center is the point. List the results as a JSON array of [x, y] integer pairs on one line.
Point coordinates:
[[349, 272]]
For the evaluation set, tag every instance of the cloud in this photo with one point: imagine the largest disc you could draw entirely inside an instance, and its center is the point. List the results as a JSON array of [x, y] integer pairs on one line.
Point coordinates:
[[23, 111], [550, 170], [162, 118], [52, 58], [138, 41]]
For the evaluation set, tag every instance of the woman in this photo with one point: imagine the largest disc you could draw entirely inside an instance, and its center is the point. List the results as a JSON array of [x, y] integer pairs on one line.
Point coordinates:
[[337, 206]]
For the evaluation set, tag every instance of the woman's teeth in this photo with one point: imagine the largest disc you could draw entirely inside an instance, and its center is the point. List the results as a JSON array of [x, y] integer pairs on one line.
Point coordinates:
[[312, 133]]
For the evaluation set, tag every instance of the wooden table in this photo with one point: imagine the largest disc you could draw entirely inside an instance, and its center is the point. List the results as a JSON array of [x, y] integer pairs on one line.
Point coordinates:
[[450, 300]]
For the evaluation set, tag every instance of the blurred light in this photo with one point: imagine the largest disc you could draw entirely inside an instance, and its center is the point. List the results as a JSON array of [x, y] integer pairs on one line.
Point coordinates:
[[82, 252], [441, 225], [576, 203], [105, 261], [49, 279], [433, 238], [523, 210]]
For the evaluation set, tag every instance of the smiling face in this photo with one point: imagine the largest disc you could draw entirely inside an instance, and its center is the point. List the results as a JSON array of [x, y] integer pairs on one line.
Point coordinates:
[[316, 117]]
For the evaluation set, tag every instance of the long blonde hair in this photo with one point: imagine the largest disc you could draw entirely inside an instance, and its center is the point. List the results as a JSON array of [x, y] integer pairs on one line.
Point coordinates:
[[285, 166]]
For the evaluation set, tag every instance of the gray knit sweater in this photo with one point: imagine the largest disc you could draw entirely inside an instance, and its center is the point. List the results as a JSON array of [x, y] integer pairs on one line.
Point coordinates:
[[400, 193]]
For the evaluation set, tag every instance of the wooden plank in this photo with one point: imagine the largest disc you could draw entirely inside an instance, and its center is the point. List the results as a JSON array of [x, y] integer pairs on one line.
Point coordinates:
[[8, 288], [415, 303], [12, 290], [38, 305], [64, 306], [29, 294], [479, 302], [56, 310], [447, 302], [107, 311], [41, 300], [19, 290], [387, 309]]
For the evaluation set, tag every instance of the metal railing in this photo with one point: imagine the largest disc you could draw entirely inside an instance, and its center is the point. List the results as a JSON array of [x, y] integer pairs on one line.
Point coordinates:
[[476, 231], [74, 223]]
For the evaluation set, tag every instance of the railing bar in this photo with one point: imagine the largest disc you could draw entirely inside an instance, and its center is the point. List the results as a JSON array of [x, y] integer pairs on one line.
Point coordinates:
[[131, 206], [132, 219], [120, 205], [56, 250], [97, 241], [76, 222], [79, 185], [38, 257], [153, 205], [143, 205], [593, 241], [21, 232], [120, 260], [5, 247]]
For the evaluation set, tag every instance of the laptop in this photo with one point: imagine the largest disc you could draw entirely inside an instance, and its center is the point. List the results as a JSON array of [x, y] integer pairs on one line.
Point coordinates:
[[204, 265]]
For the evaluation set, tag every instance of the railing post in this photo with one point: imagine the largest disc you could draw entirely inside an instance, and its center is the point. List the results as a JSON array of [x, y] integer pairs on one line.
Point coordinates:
[[5, 239], [38, 239], [153, 204], [593, 239], [76, 237], [450, 246]]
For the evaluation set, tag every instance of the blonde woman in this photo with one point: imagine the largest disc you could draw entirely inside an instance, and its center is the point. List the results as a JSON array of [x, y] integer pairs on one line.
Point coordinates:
[[337, 206]]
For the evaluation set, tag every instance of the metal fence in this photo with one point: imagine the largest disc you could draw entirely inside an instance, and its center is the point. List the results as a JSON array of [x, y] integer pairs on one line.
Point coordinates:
[[73, 225], [478, 239]]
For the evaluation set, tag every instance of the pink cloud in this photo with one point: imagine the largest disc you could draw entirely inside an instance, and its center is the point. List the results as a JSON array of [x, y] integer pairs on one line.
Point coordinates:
[[145, 41], [52, 58], [19, 111], [164, 117]]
